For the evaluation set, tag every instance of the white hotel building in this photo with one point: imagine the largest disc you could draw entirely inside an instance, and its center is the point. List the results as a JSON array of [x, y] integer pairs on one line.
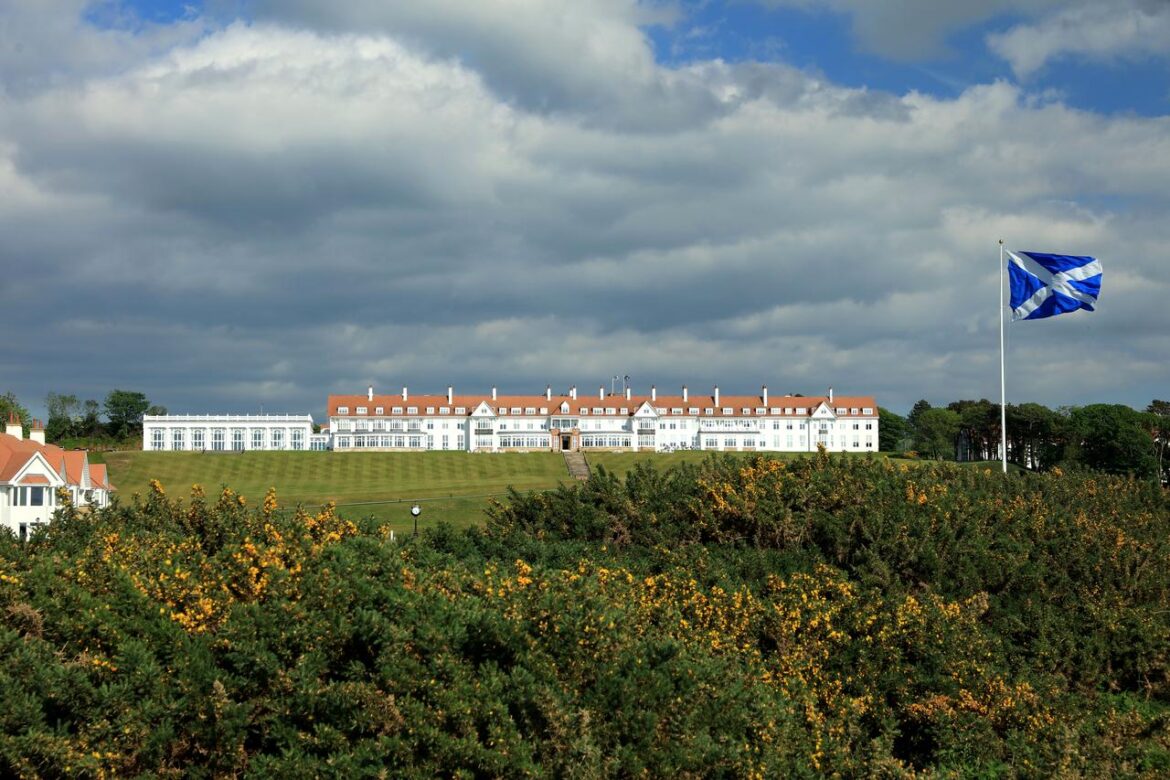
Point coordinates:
[[229, 432], [615, 421]]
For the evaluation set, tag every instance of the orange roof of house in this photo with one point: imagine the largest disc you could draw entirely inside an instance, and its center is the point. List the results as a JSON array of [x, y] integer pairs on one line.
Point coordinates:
[[69, 464], [97, 475], [34, 479], [586, 401]]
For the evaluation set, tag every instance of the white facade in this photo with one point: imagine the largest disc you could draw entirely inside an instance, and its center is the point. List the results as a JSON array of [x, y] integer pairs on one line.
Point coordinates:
[[604, 421], [226, 432]]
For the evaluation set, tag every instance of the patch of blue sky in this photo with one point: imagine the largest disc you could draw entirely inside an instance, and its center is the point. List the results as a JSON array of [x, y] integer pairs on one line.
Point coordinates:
[[132, 14], [821, 41]]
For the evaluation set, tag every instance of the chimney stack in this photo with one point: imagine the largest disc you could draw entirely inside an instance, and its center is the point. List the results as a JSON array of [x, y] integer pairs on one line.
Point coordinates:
[[684, 394], [450, 395], [14, 428], [548, 392], [764, 394], [601, 393], [494, 394], [573, 392], [629, 393], [716, 394], [405, 395], [830, 395], [653, 393], [370, 393], [37, 432]]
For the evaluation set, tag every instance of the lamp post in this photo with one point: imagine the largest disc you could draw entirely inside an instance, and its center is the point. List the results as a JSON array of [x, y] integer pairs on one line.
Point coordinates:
[[415, 511]]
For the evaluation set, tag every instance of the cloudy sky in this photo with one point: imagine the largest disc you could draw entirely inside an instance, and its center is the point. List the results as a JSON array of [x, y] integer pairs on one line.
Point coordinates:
[[233, 204]]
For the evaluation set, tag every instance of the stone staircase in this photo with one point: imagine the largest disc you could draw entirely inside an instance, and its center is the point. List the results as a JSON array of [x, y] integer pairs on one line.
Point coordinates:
[[576, 464]]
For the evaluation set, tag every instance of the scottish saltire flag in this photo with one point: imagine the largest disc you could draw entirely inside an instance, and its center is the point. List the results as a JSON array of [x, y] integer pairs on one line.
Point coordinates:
[[1046, 285]]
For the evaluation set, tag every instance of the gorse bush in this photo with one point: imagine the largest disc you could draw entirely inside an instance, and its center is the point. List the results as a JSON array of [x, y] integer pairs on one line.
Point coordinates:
[[758, 618]]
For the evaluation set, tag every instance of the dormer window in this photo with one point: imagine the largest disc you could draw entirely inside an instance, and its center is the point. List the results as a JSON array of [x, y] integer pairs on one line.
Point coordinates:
[[726, 410], [430, 410], [529, 410], [693, 410], [867, 410], [379, 410], [361, 410], [544, 410], [564, 408], [676, 410], [503, 410], [397, 410], [625, 410], [460, 410], [761, 410], [343, 410], [610, 410], [745, 411], [412, 410], [515, 410]]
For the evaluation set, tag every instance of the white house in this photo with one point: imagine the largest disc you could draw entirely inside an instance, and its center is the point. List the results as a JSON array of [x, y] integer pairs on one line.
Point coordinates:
[[226, 432], [605, 421], [32, 471]]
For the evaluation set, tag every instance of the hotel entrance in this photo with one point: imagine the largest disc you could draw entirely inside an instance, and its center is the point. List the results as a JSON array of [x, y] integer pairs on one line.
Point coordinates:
[[566, 442]]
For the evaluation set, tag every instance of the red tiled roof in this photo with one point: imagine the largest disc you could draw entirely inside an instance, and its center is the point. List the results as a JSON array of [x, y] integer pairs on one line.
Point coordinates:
[[70, 465], [34, 479], [586, 401]]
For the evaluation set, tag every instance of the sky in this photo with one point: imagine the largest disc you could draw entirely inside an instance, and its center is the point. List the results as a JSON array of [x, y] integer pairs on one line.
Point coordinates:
[[245, 205]]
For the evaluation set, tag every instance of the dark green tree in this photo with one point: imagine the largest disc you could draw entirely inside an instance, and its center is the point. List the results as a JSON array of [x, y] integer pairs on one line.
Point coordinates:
[[91, 420], [978, 428], [1035, 435], [892, 430], [124, 410], [1113, 438], [936, 432], [64, 416]]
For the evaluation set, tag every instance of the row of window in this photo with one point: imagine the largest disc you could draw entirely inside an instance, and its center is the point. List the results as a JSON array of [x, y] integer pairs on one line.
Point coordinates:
[[33, 496], [256, 438], [693, 411]]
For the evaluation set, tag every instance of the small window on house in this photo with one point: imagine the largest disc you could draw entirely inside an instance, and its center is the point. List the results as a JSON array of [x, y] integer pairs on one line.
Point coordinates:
[[444, 410], [841, 410], [710, 410], [396, 410], [515, 410], [460, 410], [761, 410], [676, 410], [430, 410], [597, 410], [867, 410], [610, 410], [625, 410], [746, 411], [379, 410], [412, 410], [544, 410], [726, 410], [584, 410], [693, 410], [529, 410], [343, 410]]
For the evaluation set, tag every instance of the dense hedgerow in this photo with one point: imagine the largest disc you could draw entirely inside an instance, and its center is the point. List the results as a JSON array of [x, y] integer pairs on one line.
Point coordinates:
[[735, 618]]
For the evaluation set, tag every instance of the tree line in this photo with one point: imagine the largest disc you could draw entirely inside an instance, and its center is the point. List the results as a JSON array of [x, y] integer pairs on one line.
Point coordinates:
[[117, 418], [1108, 437]]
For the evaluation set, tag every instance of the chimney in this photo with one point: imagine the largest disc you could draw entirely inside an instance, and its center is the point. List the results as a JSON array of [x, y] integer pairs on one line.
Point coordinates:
[[764, 394], [684, 394], [716, 394], [370, 393], [494, 394], [14, 428], [628, 393], [548, 392], [450, 395], [37, 432], [830, 395], [601, 393], [653, 393], [573, 392], [405, 395]]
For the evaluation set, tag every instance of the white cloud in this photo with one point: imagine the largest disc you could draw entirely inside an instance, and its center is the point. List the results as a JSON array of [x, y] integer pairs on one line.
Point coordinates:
[[1126, 29], [275, 209]]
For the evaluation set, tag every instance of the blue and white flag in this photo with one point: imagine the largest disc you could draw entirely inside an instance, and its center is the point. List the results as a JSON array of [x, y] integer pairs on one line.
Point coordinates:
[[1046, 285]]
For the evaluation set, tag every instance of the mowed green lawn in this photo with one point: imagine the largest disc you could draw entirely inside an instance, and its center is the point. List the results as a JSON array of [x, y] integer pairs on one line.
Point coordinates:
[[454, 486]]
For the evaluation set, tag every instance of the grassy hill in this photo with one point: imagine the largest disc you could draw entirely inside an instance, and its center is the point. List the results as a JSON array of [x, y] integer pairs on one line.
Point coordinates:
[[454, 486]]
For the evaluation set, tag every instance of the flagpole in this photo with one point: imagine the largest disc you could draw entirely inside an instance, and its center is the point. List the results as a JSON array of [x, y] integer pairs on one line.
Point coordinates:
[[1002, 371]]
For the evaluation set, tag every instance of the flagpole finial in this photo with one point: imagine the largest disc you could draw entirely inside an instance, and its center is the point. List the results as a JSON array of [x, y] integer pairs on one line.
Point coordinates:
[[1001, 242]]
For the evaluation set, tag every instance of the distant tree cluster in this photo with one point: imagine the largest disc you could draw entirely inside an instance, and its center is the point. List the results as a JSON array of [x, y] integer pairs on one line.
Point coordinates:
[[1107, 437], [118, 418]]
